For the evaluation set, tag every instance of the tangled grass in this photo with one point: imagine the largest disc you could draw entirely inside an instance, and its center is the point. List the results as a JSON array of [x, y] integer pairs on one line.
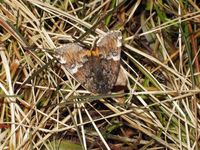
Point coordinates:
[[43, 107]]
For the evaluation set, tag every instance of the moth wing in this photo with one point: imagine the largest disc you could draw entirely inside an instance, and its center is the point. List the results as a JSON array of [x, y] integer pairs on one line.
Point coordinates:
[[110, 52], [110, 45], [73, 57]]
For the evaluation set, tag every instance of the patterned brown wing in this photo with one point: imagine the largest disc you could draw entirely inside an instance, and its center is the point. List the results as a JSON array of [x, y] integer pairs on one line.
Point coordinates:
[[109, 64], [73, 57]]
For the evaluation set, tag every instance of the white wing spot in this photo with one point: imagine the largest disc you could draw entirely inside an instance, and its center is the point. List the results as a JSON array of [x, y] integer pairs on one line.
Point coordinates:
[[75, 69], [62, 60]]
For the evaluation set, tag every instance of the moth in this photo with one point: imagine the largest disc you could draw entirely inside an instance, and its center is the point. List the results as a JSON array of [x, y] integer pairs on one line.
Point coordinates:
[[97, 70]]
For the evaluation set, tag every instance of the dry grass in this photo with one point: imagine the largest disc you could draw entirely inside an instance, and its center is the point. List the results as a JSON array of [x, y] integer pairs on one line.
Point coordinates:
[[43, 107]]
